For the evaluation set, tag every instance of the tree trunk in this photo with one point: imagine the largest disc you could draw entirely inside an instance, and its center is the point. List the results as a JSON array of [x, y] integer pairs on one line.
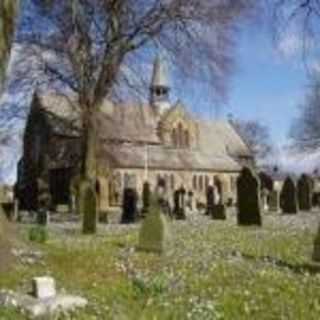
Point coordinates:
[[87, 188], [89, 156]]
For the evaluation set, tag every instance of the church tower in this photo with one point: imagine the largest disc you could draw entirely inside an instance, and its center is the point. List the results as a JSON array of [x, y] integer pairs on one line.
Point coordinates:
[[160, 88]]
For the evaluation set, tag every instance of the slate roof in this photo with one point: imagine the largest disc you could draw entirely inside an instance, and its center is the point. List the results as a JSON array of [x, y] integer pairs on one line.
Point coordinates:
[[166, 158], [131, 127]]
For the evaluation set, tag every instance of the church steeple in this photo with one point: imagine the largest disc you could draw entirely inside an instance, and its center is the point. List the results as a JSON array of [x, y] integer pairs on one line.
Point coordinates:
[[160, 88]]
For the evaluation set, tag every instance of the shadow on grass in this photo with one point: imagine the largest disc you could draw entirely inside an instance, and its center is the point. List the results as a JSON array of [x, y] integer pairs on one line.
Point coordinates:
[[312, 268]]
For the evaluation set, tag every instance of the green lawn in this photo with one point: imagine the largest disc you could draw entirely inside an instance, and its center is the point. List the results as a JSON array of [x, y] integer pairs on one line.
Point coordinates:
[[214, 270]]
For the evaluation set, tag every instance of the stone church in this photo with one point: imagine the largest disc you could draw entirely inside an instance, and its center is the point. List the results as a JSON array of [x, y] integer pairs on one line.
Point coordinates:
[[156, 142]]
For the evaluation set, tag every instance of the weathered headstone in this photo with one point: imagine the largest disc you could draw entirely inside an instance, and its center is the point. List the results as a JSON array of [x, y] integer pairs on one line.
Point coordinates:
[[266, 182], [43, 287], [288, 197], [179, 204], [190, 200], [88, 207], [305, 193], [274, 201], [44, 202], [154, 233], [145, 198], [210, 201], [129, 206], [248, 191]]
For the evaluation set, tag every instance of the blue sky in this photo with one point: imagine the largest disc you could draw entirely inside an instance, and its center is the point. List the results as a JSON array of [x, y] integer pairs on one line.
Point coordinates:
[[268, 85], [269, 82]]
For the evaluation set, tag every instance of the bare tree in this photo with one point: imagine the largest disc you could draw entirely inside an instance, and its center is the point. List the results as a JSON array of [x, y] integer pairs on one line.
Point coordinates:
[[257, 137], [103, 45], [305, 130]]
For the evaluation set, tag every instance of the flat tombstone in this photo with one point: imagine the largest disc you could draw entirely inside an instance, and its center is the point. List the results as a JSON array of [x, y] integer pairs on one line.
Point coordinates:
[[248, 191], [305, 193], [288, 197], [43, 287]]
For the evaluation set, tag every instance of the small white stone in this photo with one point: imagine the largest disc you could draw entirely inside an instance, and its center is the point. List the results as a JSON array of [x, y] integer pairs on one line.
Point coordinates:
[[44, 287]]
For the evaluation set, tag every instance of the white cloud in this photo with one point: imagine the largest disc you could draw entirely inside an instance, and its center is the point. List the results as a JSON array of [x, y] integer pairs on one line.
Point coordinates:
[[290, 45]]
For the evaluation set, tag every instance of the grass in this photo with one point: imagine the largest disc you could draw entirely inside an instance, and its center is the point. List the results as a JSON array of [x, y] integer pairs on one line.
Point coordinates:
[[213, 270]]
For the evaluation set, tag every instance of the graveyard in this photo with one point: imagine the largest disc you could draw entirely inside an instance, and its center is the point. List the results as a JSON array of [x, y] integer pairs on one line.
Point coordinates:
[[214, 270], [159, 160]]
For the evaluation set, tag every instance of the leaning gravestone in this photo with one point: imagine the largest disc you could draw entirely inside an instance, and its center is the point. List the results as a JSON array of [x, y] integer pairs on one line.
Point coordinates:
[[305, 193], [129, 205], [88, 207], [288, 197], [154, 233], [248, 192]]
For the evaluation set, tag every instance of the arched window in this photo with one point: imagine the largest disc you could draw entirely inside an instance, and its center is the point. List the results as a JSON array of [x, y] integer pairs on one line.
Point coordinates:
[[206, 182], [172, 182], [174, 138], [186, 139], [180, 136], [194, 183], [126, 180], [200, 183]]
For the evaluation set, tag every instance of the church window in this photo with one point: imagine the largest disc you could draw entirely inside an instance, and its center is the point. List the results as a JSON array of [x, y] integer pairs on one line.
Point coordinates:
[[233, 183], [126, 180], [172, 182], [174, 138], [186, 139], [194, 183], [200, 183], [180, 136], [206, 182]]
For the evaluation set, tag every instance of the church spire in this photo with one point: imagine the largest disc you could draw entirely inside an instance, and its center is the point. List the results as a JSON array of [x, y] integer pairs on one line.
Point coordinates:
[[160, 88]]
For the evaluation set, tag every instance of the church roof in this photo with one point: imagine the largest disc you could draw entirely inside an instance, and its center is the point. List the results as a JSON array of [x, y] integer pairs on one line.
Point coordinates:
[[220, 136], [166, 158], [135, 123], [130, 127]]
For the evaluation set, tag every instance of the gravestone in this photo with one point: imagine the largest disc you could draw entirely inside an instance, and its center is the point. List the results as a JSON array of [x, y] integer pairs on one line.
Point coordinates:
[[154, 233], [274, 201], [210, 201], [43, 287], [248, 194], [44, 201], [88, 207], [145, 198], [316, 247], [129, 205], [266, 182], [288, 197], [179, 204], [190, 200], [305, 193]]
